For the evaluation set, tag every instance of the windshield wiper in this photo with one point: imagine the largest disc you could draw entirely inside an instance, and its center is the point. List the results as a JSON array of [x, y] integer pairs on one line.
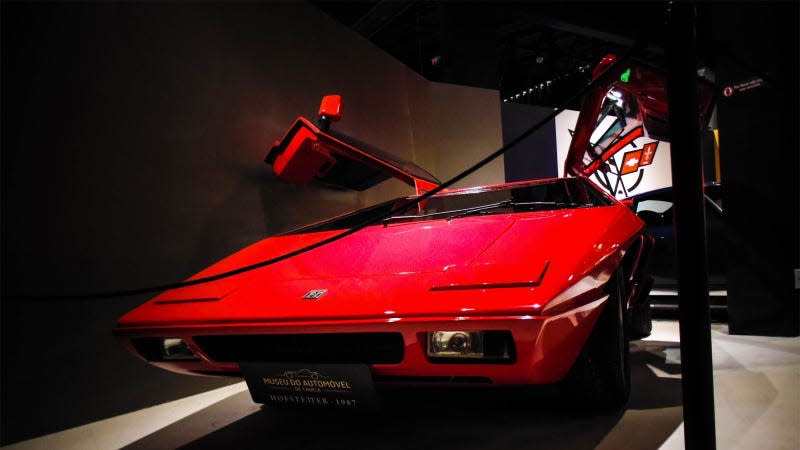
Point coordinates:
[[453, 214], [439, 213], [477, 209], [513, 204]]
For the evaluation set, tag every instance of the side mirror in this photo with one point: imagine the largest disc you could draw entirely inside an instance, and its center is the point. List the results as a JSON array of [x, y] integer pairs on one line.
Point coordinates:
[[330, 110]]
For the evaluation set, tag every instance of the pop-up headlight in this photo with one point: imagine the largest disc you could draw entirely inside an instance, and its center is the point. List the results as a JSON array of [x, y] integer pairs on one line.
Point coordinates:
[[176, 349], [455, 344]]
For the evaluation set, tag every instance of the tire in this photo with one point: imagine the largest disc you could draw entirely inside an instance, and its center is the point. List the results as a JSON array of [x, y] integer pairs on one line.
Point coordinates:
[[641, 321], [600, 376]]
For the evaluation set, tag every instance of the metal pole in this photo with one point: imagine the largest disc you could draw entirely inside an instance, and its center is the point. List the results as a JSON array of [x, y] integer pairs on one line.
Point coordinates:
[[690, 237]]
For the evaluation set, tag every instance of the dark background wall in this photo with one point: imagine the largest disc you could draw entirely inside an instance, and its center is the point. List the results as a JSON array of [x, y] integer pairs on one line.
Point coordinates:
[[759, 148], [535, 156], [133, 139]]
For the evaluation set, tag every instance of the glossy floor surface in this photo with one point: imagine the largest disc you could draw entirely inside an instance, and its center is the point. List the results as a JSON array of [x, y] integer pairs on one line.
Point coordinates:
[[756, 388]]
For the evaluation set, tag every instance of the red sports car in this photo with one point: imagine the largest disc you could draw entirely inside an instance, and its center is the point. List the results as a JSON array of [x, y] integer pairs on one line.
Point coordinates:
[[512, 284]]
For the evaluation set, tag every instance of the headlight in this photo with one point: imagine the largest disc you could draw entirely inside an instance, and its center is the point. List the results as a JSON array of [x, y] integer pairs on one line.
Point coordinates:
[[175, 348], [455, 344]]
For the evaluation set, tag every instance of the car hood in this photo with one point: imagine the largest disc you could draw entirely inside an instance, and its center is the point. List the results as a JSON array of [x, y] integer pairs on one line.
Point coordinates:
[[430, 268]]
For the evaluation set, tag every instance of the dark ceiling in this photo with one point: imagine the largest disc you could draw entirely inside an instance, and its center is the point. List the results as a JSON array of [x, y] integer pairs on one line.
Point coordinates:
[[541, 51]]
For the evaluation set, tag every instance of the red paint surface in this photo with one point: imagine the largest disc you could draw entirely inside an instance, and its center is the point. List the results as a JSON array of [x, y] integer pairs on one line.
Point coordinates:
[[305, 153], [331, 107]]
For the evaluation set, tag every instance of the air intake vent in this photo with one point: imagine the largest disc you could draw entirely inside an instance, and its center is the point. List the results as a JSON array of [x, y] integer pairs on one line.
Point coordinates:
[[366, 348]]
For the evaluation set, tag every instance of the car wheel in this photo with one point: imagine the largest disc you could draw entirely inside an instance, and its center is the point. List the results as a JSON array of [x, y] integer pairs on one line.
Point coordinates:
[[600, 376]]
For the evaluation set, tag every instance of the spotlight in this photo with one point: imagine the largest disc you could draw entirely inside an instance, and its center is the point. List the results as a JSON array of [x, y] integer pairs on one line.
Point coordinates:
[[455, 344]]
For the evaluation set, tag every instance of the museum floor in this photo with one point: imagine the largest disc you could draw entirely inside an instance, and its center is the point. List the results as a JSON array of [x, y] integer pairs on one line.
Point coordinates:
[[756, 383]]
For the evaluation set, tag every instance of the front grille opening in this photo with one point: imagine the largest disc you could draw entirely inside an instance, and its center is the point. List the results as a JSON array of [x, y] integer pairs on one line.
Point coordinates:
[[154, 349], [353, 348], [149, 348]]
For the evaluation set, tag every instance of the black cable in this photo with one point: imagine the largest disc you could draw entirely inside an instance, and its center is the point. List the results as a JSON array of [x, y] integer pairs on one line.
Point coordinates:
[[371, 221]]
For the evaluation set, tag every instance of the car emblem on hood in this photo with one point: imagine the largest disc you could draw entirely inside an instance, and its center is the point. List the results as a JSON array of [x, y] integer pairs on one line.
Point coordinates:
[[314, 294]]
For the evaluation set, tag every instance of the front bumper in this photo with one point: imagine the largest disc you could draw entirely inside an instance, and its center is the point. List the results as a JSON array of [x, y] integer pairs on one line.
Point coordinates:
[[545, 346]]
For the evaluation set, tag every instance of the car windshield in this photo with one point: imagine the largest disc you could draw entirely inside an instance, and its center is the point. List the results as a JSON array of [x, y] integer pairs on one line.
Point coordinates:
[[541, 196]]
